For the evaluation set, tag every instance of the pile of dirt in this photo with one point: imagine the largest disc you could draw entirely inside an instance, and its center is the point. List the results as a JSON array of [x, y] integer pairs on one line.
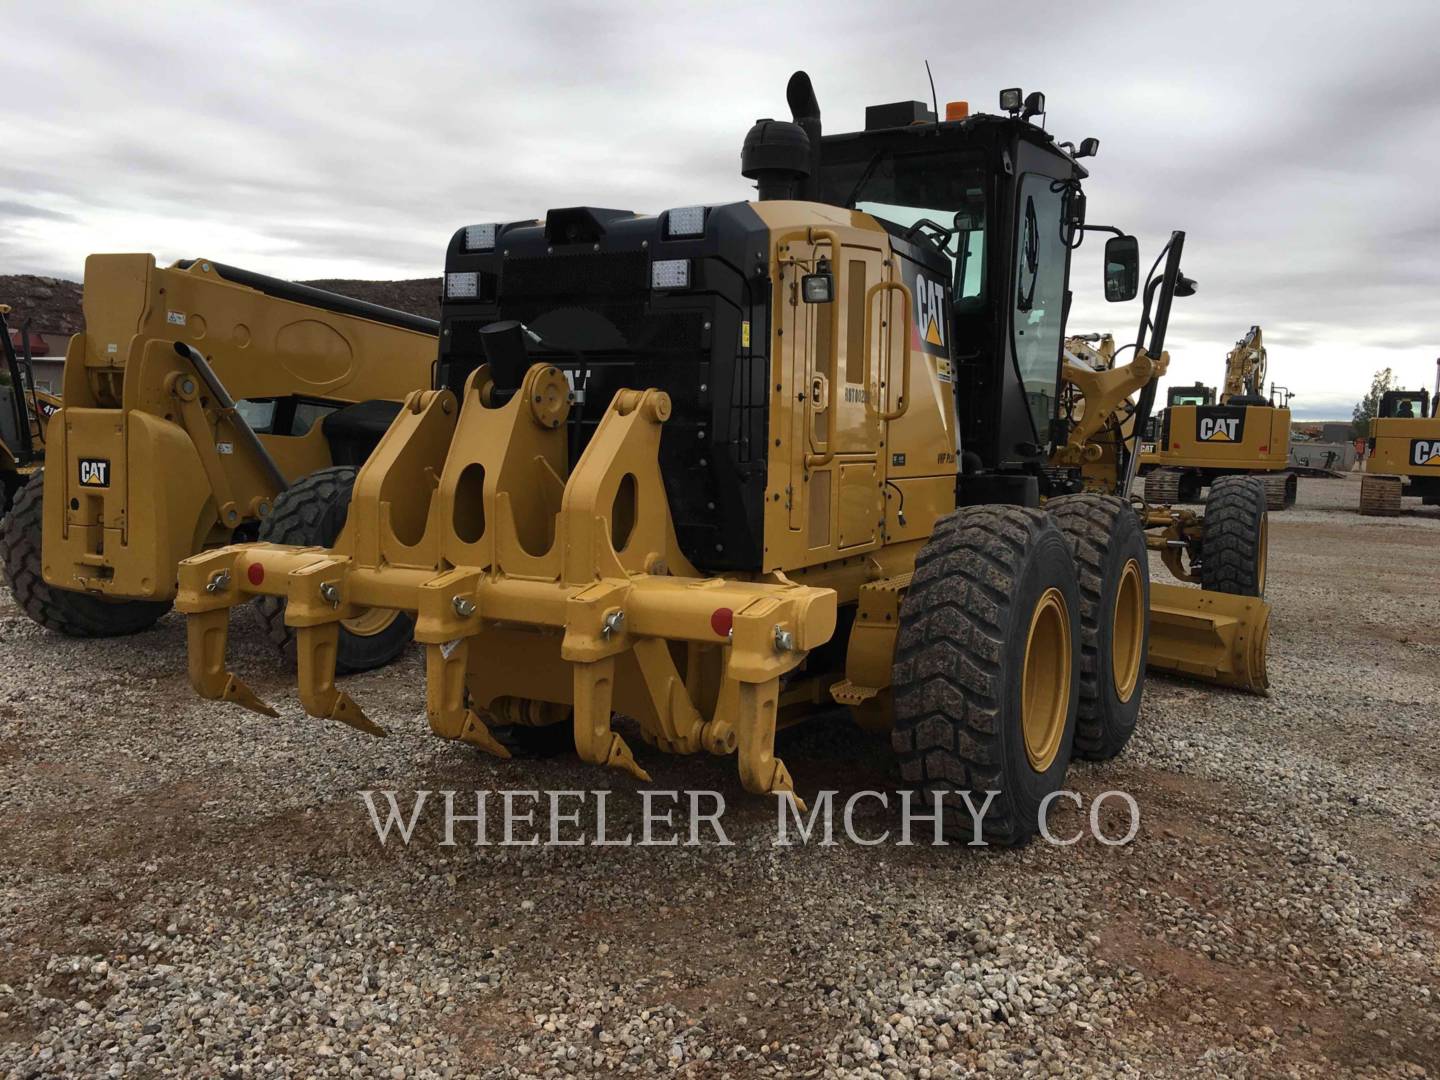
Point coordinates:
[[52, 305]]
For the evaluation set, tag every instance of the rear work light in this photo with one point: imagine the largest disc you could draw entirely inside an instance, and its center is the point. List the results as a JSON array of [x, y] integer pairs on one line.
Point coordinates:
[[686, 221], [480, 237], [462, 286], [670, 274]]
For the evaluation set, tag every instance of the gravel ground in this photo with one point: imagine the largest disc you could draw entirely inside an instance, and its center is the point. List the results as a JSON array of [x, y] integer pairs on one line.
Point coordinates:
[[193, 890]]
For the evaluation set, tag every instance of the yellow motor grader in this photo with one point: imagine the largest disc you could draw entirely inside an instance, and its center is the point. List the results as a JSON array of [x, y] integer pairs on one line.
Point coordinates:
[[715, 468], [205, 404]]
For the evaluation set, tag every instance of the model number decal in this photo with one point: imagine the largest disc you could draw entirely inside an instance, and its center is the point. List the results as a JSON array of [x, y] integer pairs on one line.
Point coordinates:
[[94, 472]]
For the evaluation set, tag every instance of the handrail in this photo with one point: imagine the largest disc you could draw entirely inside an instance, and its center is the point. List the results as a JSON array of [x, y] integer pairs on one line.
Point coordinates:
[[815, 237], [898, 286]]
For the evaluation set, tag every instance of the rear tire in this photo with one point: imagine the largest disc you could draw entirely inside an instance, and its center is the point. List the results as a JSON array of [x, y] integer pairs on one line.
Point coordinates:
[[1113, 566], [1234, 543], [311, 513], [986, 669], [75, 614], [1380, 495]]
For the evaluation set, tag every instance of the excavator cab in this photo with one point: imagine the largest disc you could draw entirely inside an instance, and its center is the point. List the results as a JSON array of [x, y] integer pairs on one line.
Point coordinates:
[[1405, 405]]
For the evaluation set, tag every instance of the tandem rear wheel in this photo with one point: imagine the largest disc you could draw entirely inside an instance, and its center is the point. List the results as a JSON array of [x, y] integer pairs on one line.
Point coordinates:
[[987, 669]]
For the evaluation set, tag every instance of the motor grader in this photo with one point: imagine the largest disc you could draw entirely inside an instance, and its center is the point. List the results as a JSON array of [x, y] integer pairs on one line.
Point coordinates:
[[204, 404], [1196, 441], [716, 468]]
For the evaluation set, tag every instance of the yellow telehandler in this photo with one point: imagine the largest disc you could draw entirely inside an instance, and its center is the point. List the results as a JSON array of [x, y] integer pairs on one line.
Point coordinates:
[[205, 404], [715, 468]]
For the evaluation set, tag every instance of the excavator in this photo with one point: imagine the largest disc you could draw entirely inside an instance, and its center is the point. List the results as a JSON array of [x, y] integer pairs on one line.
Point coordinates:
[[1403, 451], [1195, 440]]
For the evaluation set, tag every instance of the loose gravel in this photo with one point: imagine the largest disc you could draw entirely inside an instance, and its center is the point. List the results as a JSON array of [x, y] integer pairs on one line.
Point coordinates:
[[191, 890]]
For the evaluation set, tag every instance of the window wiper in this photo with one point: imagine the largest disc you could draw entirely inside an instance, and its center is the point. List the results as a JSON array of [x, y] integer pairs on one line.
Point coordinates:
[[849, 203]]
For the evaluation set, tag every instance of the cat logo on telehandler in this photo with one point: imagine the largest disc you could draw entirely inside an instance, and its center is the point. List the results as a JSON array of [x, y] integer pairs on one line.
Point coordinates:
[[94, 472]]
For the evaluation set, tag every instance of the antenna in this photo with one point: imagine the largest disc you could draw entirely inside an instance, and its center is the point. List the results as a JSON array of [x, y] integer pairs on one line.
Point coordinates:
[[934, 100]]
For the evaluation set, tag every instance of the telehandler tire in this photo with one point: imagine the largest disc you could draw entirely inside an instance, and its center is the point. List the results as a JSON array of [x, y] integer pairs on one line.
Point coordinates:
[[1234, 543], [987, 667], [75, 614], [1114, 571], [311, 513]]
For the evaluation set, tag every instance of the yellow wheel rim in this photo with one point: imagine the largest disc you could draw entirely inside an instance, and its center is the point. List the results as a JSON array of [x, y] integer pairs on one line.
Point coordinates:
[[1263, 559], [1128, 635], [1045, 682], [370, 622]]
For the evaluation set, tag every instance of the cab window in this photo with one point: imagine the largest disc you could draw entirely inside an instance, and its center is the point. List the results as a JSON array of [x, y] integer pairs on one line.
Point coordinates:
[[1038, 295], [905, 189]]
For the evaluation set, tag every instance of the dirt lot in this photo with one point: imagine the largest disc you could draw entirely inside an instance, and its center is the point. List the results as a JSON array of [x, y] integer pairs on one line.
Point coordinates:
[[193, 890]]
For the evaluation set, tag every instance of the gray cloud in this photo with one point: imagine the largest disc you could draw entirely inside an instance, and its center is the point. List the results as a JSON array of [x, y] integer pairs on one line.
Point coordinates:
[[1297, 144]]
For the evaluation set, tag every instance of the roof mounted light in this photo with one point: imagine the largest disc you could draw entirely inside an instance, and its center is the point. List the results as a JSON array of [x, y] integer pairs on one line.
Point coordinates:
[[1011, 100], [685, 221], [670, 274], [480, 237]]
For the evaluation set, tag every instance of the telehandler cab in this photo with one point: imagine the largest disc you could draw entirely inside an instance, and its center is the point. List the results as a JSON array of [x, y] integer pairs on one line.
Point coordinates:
[[205, 404], [704, 469], [24, 414]]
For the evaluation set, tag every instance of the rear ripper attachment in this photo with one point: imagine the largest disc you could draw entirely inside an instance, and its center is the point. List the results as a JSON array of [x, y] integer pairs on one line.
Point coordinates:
[[585, 607]]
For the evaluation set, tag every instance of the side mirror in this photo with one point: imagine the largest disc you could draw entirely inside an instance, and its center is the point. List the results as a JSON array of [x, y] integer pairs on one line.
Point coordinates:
[[1088, 148], [1122, 268], [819, 287]]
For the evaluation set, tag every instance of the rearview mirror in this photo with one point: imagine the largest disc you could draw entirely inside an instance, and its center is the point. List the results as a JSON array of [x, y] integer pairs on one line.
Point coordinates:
[[1122, 268]]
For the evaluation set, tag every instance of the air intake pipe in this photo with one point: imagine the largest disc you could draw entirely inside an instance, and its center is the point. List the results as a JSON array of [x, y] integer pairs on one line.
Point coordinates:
[[805, 111]]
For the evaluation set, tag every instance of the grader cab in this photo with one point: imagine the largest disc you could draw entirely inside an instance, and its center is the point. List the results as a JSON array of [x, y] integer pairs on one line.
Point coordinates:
[[716, 468]]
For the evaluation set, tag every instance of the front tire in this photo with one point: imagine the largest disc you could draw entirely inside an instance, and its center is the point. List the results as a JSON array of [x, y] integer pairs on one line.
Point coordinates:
[[311, 513], [986, 669], [1113, 567], [1234, 544], [74, 614]]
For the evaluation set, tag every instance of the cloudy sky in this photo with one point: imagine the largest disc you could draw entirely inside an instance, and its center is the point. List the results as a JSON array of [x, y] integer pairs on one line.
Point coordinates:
[[1297, 143]]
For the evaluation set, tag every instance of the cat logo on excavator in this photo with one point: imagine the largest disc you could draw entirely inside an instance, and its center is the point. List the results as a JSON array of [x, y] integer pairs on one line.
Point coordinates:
[[1220, 425], [1425, 452]]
